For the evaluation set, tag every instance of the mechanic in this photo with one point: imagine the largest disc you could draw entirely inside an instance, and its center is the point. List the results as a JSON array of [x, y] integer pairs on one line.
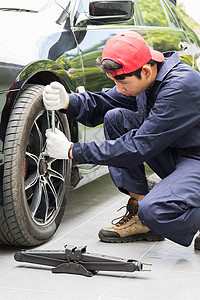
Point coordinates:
[[151, 115]]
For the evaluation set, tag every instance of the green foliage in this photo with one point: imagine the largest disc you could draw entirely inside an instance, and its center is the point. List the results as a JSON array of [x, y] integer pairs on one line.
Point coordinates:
[[188, 20], [152, 13]]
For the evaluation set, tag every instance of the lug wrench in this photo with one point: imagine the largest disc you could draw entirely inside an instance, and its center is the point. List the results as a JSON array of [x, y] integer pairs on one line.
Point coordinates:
[[53, 120], [53, 126]]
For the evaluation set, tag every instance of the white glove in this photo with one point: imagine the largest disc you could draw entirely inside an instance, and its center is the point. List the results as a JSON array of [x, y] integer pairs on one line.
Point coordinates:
[[57, 145], [55, 96]]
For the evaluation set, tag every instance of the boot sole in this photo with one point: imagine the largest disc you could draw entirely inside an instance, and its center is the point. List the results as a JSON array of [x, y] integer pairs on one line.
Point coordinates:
[[149, 236], [197, 244]]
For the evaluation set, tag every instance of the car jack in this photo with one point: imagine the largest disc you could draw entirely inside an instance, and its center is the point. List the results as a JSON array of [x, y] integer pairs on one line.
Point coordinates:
[[75, 260]]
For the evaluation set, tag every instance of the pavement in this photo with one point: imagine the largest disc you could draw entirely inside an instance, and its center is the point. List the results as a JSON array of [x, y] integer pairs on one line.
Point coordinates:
[[174, 271]]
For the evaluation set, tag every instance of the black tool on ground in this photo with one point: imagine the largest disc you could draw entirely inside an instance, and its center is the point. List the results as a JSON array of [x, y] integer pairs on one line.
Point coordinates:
[[75, 260]]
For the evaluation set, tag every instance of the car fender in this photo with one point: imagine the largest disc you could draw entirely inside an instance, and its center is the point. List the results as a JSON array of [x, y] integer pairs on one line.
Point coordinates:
[[40, 72]]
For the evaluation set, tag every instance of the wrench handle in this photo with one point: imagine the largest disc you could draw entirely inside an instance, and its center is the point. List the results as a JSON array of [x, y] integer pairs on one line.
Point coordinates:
[[53, 120], [52, 126]]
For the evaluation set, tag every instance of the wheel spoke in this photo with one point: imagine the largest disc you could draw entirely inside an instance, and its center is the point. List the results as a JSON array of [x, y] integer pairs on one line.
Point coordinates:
[[31, 181], [49, 160], [54, 173], [32, 156], [46, 200], [41, 143], [53, 190], [36, 199], [58, 125]]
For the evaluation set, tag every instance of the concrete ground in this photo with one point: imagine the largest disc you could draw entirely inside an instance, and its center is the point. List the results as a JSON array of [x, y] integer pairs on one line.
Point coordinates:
[[174, 272]]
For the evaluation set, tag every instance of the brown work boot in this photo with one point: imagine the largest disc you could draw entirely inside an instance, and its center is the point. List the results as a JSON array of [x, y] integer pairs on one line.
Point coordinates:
[[129, 228], [197, 243]]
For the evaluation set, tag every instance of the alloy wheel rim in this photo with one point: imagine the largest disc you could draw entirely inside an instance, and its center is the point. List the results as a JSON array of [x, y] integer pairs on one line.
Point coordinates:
[[44, 176]]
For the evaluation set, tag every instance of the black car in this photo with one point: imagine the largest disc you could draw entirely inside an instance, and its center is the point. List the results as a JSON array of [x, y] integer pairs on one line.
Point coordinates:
[[60, 40]]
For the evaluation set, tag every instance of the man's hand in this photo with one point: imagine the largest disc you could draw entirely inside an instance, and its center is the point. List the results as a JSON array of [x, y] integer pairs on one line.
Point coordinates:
[[55, 96], [57, 145]]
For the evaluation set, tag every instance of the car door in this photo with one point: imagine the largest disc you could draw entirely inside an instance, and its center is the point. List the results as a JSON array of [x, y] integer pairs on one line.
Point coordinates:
[[92, 45], [91, 49], [164, 30], [192, 47]]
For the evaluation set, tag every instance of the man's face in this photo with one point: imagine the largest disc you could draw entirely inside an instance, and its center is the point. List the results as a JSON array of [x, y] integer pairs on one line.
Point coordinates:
[[132, 86]]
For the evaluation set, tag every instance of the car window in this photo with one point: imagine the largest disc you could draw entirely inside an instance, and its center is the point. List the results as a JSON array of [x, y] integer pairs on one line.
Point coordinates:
[[171, 17], [153, 13], [180, 20]]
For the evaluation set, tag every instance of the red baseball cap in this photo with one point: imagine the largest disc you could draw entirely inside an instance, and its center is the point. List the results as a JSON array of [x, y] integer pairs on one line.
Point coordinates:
[[130, 50]]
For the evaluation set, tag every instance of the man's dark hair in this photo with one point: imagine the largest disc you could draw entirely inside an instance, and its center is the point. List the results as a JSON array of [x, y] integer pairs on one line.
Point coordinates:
[[110, 65]]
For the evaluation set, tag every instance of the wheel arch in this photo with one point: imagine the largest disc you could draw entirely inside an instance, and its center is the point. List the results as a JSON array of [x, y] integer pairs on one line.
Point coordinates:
[[46, 77], [40, 72]]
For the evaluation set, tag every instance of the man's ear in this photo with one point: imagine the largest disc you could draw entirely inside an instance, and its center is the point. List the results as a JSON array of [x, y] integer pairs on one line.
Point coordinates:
[[147, 71]]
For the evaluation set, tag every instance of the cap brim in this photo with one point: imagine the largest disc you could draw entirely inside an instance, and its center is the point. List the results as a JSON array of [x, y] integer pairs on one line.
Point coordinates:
[[157, 56]]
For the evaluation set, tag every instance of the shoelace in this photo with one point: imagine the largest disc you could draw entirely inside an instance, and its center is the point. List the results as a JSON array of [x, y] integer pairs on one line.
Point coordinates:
[[126, 217]]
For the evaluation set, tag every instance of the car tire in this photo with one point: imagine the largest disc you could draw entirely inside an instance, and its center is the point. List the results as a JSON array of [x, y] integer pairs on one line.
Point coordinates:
[[35, 186]]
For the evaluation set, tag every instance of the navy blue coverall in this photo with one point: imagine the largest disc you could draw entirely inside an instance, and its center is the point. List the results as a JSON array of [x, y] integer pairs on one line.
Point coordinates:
[[161, 126]]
